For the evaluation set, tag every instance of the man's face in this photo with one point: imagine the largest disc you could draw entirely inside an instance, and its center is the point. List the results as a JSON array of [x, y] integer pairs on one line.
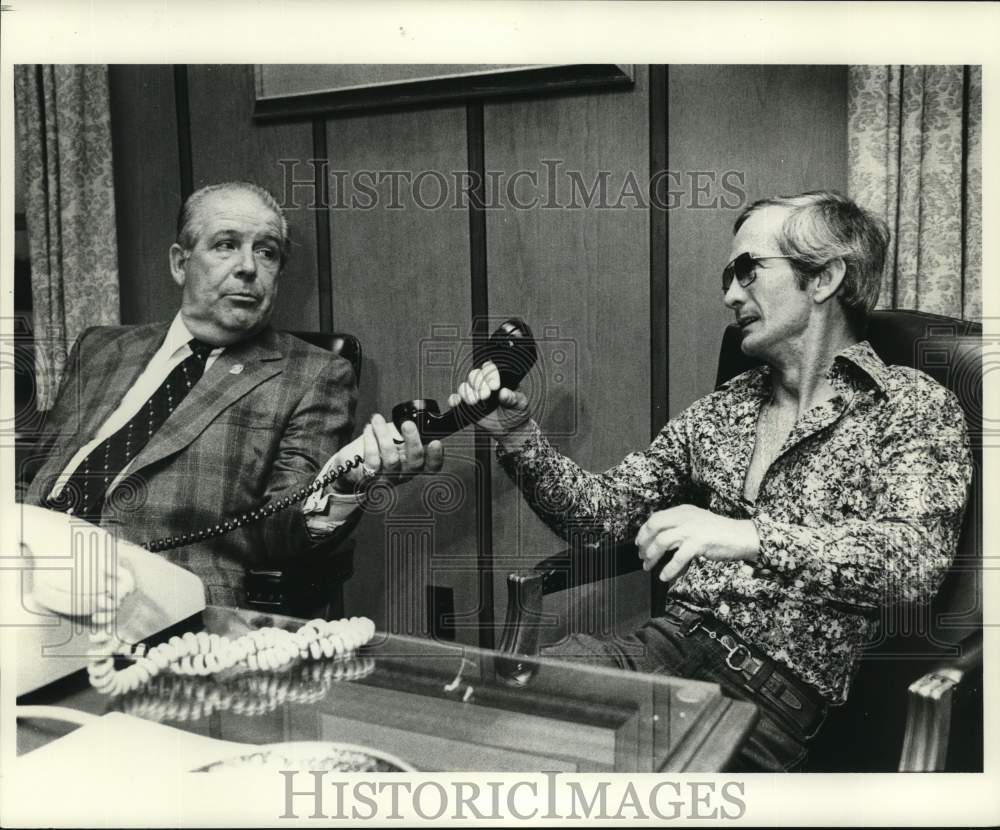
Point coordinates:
[[772, 311], [230, 276]]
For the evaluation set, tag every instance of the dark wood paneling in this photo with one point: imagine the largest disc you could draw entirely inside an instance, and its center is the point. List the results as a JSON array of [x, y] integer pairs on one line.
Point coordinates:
[[580, 277], [659, 269], [400, 275], [183, 113], [785, 129], [659, 284], [475, 140], [321, 216], [226, 144], [147, 188]]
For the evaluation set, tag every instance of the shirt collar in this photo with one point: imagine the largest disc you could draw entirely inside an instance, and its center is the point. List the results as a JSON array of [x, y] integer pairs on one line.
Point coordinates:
[[857, 358], [862, 357], [178, 337]]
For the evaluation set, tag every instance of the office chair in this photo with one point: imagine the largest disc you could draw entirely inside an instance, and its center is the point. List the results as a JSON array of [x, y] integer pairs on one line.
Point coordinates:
[[916, 703], [312, 584]]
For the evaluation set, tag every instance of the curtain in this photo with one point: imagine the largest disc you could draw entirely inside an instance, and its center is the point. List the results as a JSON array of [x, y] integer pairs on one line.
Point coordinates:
[[915, 159], [64, 144]]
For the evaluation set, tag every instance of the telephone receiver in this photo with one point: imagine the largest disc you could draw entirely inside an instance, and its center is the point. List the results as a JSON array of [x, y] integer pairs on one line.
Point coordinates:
[[511, 348]]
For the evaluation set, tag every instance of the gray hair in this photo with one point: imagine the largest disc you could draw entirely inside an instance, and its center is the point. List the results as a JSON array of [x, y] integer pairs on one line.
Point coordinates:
[[823, 225], [187, 231]]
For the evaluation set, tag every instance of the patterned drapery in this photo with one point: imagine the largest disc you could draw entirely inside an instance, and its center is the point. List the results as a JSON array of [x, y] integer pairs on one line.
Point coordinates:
[[64, 142], [915, 159]]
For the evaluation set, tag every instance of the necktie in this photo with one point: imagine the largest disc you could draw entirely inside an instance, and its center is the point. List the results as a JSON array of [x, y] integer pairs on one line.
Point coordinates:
[[84, 492]]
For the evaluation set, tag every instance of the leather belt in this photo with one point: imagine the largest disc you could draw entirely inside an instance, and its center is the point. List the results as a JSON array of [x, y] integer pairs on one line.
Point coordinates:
[[788, 696]]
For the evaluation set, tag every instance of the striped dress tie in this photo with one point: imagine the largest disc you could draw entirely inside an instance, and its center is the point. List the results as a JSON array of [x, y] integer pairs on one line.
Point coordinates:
[[84, 492]]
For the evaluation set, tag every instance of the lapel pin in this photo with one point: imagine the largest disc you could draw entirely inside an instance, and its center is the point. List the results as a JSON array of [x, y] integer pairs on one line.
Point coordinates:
[[236, 369]]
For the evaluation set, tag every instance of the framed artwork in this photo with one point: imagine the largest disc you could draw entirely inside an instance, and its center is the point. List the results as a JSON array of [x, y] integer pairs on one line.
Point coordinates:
[[298, 91]]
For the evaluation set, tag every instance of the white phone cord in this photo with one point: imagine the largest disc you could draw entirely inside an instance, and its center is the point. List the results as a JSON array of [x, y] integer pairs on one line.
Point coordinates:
[[194, 698], [204, 654]]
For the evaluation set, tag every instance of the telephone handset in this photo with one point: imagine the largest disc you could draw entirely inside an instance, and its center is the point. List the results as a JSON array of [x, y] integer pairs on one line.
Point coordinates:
[[511, 347]]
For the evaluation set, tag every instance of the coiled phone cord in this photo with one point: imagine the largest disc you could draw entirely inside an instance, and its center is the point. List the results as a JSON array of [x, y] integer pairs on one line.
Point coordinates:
[[194, 698], [170, 542], [202, 654]]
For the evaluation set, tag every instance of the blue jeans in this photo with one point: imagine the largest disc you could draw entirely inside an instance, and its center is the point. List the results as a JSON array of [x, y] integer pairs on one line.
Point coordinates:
[[663, 646]]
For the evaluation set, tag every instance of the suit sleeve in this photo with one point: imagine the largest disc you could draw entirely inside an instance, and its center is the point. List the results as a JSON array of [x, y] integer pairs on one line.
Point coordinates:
[[319, 425], [58, 423]]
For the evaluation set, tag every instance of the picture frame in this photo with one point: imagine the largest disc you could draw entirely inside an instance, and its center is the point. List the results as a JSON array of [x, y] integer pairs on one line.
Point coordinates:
[[288, 92]]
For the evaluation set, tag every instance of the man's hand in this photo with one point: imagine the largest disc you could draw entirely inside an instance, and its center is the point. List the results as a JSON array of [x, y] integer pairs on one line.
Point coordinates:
[[389, 455], [508, 417], [688, 531]]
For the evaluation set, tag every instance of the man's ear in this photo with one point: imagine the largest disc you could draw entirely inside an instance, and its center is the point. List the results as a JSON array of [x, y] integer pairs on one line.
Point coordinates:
[[178, 256], [829, 280]]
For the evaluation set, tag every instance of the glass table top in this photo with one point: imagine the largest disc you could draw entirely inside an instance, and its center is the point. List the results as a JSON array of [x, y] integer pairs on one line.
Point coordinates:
[[435, 706]]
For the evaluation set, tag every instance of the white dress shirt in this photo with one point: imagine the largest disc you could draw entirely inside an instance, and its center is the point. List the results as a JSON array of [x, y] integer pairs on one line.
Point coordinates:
[[325, 511]]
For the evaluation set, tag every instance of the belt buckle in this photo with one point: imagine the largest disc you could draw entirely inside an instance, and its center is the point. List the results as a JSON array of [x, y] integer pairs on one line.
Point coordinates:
[[734, 650], [688, 620]]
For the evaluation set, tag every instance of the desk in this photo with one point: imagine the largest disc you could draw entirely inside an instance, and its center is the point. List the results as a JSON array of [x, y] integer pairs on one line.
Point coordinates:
[[439, 707]]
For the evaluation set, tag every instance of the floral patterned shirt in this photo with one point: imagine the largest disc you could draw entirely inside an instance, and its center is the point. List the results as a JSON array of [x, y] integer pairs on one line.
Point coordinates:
[[861, 508]]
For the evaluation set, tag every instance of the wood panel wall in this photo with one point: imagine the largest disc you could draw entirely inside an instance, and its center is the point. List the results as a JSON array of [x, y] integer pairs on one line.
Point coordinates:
[[581, 276], [782, 130], [401, 283], [604, 289], [148, 196]]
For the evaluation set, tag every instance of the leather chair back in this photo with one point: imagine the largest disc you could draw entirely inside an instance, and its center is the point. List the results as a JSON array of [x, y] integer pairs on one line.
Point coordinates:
[[346, 345], [315, 587]]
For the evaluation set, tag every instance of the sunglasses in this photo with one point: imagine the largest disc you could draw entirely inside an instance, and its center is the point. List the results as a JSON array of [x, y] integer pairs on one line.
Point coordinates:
[[743, 269]]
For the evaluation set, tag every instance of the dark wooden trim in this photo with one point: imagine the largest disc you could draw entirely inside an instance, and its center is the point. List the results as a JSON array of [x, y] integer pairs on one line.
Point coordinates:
[[20, 222], [898, 206], [476, 150], [964, 184], [476, 155], [324, 263], [659, 276], [184, 153], [658, 254], [454, 90]]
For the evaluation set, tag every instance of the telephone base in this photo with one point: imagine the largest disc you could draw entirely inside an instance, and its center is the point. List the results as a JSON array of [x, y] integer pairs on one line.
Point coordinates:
[[47, 601]]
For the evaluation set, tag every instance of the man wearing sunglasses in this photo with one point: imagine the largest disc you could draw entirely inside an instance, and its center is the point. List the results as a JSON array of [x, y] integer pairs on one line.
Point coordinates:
[[789, 506]]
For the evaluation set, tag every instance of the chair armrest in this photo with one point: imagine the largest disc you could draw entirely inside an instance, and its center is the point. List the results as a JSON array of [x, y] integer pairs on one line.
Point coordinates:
[[524, 611], [310, 583], [586, 561], [929, 710], [591, 558], [302, 588]]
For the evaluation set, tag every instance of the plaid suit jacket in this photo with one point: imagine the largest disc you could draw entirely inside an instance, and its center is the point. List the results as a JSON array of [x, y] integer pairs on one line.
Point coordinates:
[[262, 421]]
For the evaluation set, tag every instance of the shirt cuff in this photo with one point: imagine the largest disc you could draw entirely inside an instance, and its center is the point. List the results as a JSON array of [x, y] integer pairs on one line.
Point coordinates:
[[325, 510], [528, 449], [773, 555]]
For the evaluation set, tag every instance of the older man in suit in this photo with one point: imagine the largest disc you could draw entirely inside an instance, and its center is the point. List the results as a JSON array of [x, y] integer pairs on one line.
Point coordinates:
[[165, 429]]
